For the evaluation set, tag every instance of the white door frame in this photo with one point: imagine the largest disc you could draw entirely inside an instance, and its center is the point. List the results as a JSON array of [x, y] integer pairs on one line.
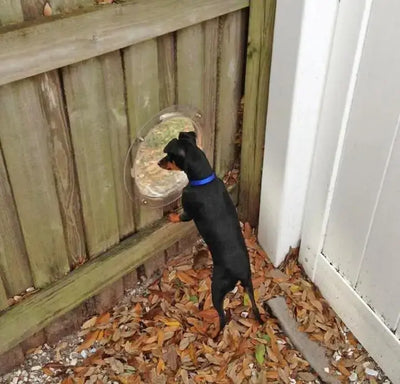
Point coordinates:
[[300, 56]]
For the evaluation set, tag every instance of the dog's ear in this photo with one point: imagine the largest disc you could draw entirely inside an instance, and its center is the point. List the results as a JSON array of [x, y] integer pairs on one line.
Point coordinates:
[[189, 136], [174, 148]]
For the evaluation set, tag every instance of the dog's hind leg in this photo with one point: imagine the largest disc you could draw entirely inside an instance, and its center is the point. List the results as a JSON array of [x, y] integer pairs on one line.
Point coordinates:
[[248, 286], [221, 284]]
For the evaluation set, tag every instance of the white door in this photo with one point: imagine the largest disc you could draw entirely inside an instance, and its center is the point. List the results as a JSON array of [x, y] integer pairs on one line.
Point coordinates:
[[351, 233]]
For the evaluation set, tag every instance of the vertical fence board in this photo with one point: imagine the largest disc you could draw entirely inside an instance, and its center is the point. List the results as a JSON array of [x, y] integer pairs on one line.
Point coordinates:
[[14, 266], [10, 12], [259, 51], [3, 296], [119, 136], [32, 8], [141, 71], [65, 6], [211, 29], [167, 70], [230, 89], [84, 87], [24, 136], [63, 163], [190, 66]]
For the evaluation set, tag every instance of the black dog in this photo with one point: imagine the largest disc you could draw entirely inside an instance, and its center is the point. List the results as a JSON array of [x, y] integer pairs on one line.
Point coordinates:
[[207, 202]]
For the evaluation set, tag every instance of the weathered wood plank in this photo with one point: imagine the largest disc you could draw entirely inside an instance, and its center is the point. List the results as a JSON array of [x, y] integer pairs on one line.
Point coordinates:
[[119, 137], [10, 12], [3, 296], [14, 266], [190, 66], [24, 136], [259, 51], [141, 71], [66, 6], [61, 148], [32, 9], [167, 70], [210, 71], [12, 246], [85, 94], [230, 87], [26, 51], [36, 312], [63, 165]]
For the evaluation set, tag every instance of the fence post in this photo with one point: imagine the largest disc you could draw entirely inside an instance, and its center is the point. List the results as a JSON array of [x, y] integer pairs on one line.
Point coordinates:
[[259, 52]]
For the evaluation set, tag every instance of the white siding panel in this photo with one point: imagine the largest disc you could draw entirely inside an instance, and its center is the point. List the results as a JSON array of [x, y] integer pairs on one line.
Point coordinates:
[[370, 131], [350, 29], [378, 283]]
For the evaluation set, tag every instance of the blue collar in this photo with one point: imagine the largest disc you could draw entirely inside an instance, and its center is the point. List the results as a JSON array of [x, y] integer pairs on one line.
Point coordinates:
[[209, 179]]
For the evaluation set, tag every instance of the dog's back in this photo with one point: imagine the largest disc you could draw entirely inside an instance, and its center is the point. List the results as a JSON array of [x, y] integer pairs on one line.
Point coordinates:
[[216, 219]]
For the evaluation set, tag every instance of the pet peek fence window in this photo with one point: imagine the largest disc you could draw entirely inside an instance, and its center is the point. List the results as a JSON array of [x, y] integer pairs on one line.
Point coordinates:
[[152, 185]]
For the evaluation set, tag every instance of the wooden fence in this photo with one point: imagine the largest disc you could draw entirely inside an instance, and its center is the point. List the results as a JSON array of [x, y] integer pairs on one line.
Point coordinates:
[[74, 91]]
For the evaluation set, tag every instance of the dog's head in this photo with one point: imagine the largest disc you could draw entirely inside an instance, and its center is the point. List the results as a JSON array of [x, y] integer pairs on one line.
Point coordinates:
[[177, 150]]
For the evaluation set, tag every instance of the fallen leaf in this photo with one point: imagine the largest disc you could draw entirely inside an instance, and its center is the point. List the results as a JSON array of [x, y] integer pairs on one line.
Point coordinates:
[[103, 319], [89, 323], [260, 353], [89, 340]]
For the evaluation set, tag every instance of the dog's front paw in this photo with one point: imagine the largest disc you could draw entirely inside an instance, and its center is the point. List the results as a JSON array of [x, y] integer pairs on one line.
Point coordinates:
[[174, 218]]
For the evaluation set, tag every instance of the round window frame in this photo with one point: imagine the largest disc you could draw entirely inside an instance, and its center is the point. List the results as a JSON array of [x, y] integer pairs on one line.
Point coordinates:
[[138, 197]]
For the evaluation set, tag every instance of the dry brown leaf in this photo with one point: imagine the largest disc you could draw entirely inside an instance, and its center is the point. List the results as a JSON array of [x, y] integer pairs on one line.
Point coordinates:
[[160, 366], [184, 376], [89, 323], [103, 319], [89, 340], [185, 278], [247, 233]]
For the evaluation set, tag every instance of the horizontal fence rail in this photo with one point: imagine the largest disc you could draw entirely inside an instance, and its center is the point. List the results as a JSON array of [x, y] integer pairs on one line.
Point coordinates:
[[55, 43], [34, 313]]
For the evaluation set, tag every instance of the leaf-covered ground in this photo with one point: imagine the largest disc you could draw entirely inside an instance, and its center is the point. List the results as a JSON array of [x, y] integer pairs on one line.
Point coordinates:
[[164, 335]]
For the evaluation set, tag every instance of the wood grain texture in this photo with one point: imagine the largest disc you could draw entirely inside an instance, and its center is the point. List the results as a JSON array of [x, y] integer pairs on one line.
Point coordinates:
[[230, 85], [190, 66], [142, 85], [259, 52], [119, 136], [3, 296], [87, 109], [39, 310], [53, 106], [211, 37], [26, 51], [11, 12], [32, 9], [167, 69], [24, 134], [14, 266], [63, 165], [67, 6]]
